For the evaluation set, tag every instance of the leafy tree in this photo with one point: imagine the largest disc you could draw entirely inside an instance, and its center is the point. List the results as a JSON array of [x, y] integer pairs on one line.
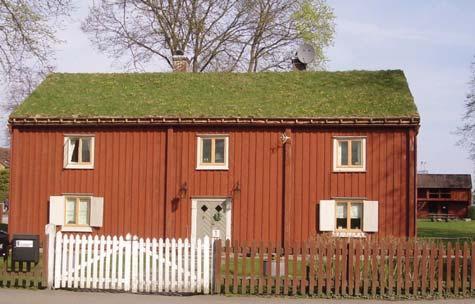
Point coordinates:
[[467, 131], [217, 35], [27, 38], [4, 182]]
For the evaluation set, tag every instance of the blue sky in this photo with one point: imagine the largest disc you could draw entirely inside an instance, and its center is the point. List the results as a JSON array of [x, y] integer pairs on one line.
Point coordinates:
[[432, 41]]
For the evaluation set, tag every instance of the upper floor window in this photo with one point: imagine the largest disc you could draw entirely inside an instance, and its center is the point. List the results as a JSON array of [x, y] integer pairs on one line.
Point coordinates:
[[439, 193], [349, 154], [212, 152], [421, 193], [79, 152]]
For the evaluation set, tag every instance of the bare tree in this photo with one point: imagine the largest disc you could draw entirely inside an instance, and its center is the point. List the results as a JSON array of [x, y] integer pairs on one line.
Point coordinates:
[[231, 35], [27, 39], [143, 29], [467, 131]]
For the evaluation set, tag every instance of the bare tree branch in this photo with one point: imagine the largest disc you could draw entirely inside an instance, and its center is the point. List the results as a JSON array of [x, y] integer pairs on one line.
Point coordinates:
[[27, 38], [226, 35], [467, 130]]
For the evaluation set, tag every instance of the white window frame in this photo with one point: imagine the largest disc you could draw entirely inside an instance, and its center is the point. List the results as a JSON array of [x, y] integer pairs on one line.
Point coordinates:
[[194, 213], [337, 167], [77, 198], [348, 204], [327, 218], [66, 155], [57, 212], [199, 153]]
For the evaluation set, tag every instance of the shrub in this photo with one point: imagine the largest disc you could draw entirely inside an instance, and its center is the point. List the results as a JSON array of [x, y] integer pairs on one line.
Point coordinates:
[[471, 212]]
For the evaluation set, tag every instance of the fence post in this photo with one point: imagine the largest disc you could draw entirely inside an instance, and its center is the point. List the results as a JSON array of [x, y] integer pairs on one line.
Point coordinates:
[[48, 255], [206, 265], [57, 260], [217, 266]]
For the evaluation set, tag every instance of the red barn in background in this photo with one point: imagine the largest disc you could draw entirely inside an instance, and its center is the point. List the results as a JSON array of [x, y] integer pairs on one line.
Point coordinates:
[[443, 195]]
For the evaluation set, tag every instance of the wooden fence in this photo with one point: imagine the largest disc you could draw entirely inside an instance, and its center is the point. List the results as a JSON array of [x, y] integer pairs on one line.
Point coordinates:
[[131, 264], [20, 275], [339, 267]]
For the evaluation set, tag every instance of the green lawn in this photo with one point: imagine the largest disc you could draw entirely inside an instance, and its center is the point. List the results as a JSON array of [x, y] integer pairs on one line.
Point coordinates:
[[446, 230]]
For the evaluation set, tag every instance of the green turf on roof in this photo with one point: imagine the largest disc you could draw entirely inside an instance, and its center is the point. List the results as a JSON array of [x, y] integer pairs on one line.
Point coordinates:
[[260, 95]]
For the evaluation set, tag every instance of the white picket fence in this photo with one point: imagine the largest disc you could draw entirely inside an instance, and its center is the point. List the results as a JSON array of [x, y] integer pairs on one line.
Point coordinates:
[[132, 264]]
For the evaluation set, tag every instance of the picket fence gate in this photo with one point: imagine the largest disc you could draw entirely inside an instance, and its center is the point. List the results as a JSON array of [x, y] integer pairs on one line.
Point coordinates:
[[131, 264]]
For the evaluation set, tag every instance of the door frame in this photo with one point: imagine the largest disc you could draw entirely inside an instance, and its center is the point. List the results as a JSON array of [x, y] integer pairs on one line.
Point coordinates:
[[194, 213]]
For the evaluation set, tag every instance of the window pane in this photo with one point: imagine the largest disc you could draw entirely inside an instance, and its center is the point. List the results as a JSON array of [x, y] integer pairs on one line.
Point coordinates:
[[356, 153], [341, 216], [86, 150], [356, 223], [356, 216], [70, 211], [219, 153], [73, 150], [206, 150], [444, 193], [83, 215], [343, 153]]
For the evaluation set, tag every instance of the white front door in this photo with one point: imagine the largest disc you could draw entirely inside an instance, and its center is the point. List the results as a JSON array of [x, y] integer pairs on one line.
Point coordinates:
[[211, 217]]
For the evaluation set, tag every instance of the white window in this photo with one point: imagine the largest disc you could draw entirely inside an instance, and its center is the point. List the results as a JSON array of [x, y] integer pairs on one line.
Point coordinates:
[[212, 152], [349, 154], [79, 152], [76, 212], [348, 217]]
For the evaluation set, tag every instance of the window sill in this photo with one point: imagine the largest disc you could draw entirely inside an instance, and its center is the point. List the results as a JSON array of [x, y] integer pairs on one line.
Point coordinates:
[[349, 170], [78, 167], [75, 229], [349, 234], [219, 168]]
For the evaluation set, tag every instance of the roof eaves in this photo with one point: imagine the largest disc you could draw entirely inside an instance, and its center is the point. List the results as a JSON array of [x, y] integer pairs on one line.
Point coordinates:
[[349, 121]]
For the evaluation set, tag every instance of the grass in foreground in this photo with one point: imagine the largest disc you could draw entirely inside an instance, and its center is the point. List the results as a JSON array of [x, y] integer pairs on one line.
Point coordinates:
[[446, 230]]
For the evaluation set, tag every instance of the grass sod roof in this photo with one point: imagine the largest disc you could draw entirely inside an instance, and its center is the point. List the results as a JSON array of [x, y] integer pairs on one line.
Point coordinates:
[[259, 95]]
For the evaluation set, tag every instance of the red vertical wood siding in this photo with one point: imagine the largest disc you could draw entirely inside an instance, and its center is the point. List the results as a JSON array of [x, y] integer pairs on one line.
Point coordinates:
[[140, 170]]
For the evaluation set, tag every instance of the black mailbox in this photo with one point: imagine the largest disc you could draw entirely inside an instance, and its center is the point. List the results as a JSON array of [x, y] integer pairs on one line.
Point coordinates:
[[3, 244], [25, 248]]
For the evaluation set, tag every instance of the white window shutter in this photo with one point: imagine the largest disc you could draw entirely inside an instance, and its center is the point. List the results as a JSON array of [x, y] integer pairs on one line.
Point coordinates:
[[327, 215], [370, 216], [97, 212], [56, 210]]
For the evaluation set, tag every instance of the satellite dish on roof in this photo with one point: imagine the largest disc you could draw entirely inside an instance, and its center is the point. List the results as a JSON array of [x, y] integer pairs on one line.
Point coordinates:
[[306, 53]]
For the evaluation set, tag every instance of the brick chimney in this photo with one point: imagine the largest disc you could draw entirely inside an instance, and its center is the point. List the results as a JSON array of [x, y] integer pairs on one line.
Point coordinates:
[[180, 62]]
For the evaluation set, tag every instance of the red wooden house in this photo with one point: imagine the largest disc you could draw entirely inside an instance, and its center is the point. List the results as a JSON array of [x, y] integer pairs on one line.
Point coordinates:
[[264, 156], [443, 195]]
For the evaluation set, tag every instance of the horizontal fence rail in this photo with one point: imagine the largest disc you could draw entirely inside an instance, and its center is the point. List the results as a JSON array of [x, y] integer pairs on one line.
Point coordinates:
[[132, 264], [340, 267]]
